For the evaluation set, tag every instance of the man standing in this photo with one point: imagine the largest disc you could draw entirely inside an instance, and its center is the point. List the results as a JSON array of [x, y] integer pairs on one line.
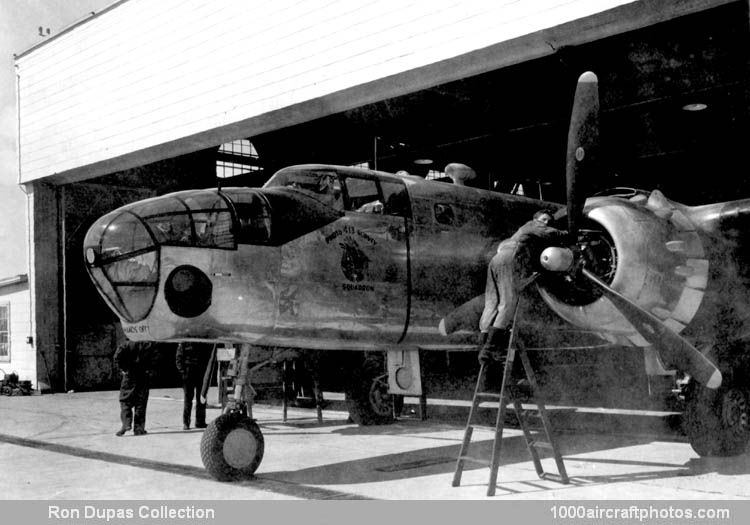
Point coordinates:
[[134, 359], [191, 360], [509, 271]]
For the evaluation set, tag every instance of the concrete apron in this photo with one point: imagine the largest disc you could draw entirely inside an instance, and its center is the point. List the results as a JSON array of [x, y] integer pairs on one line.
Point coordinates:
[[63, 446]]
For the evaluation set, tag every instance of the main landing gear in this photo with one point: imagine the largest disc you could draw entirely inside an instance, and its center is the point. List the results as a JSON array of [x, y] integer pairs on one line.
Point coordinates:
[[717, 422], [367, 397]]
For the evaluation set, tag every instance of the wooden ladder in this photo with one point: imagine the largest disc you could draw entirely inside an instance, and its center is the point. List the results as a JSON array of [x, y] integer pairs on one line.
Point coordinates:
[[509, 394]]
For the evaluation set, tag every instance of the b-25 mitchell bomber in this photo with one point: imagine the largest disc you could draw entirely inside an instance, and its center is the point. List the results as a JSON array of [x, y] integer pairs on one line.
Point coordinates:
[[330, 258]]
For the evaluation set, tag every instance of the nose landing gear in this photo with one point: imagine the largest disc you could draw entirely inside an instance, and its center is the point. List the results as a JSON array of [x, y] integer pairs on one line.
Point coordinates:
[[232, 445]]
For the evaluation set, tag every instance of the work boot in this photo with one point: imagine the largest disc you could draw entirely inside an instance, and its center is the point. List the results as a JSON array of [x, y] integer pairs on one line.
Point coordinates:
[[200, 414], [121, 432], [495, 345], [140, 432]]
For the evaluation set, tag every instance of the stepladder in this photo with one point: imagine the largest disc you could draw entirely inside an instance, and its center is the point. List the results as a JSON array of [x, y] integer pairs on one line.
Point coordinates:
[[536, 429]]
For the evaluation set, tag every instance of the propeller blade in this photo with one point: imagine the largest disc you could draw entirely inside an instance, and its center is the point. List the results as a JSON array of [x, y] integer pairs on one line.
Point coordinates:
[[583, 142], [672, 347]]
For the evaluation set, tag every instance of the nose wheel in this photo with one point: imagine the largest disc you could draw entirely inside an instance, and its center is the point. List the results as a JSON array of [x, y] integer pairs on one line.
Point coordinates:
[[232, 447]]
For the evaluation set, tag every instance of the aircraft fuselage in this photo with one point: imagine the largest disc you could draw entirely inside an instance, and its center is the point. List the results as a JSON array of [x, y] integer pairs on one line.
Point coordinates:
[[321, 257]]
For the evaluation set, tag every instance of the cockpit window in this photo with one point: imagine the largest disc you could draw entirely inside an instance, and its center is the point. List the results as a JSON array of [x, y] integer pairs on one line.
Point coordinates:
[[323, 185], [363, 195], [253, 216]]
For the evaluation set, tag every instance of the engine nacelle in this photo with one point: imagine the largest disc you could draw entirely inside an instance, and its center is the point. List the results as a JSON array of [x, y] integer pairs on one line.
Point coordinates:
[[654, 256]]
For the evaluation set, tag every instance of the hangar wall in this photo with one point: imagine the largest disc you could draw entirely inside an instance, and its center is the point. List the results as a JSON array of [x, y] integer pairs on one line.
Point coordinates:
[[164, 78]]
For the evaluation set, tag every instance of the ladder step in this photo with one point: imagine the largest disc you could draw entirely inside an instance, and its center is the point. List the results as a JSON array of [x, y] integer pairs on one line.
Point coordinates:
[[472, 459], [540, 444], [493, 395], [555, 477], [489, 428]]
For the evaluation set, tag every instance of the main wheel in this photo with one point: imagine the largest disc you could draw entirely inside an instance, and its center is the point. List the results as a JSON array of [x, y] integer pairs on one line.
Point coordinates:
[[367, 396], [717, 422], [232, 447]]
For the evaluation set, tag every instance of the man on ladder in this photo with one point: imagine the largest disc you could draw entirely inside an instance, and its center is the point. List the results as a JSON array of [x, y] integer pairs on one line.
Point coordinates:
[[510, 271]]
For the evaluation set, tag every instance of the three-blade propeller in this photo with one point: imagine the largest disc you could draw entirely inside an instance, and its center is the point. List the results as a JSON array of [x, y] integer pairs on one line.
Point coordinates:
[[581, 164]]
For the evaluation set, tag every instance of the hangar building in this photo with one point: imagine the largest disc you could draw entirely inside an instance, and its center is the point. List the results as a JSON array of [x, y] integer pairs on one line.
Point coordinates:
[[144, 98]]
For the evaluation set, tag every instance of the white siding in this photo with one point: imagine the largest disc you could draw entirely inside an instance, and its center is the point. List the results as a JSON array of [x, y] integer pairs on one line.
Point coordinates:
[[22, 355], [146, 73]]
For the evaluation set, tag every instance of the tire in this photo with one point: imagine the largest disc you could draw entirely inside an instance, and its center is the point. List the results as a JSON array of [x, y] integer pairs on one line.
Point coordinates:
[[367, 397], [717, 422], [232, 447]]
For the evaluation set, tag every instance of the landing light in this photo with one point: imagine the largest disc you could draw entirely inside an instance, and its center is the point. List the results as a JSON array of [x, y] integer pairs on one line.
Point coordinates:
[[696, 106]]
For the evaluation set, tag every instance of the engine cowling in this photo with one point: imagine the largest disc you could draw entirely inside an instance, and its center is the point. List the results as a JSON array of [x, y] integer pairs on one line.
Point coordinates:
[[646, 249]]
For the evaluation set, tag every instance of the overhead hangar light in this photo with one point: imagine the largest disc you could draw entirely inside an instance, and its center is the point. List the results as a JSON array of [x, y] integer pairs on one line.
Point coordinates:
[[695, 106], [423, 162]]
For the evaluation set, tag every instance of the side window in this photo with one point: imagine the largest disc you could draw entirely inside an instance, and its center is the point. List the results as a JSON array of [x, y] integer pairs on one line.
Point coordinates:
[[213, 229], [254, 219], [444, 214], [395, 198], [363, 195]]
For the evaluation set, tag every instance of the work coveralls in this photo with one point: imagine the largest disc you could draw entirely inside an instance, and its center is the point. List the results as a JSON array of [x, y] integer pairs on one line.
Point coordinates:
[[516, 261], [135, 361], [191, 360]]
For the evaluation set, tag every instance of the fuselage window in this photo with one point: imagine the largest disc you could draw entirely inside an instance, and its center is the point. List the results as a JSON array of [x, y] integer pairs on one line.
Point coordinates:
[[444, 214], [395, 198]]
